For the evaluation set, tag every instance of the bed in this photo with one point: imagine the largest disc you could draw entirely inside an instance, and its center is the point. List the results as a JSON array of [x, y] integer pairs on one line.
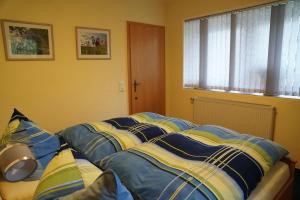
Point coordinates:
[[112, 144], [175, 160], [257, 119]]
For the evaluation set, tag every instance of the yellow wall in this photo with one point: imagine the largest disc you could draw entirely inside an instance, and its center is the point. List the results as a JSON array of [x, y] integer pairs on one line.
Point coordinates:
[[66, 91], [287, 127]]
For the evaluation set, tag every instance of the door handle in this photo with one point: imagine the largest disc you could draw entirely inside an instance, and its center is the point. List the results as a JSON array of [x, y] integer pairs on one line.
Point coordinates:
[[135, 84]]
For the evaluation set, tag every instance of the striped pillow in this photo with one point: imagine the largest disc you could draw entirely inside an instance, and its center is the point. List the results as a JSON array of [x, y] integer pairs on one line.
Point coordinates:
[[61, 177], [70, 176], [43, 145]]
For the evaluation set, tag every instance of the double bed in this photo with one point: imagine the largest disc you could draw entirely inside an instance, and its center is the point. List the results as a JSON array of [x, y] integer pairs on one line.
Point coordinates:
[[158, 157]]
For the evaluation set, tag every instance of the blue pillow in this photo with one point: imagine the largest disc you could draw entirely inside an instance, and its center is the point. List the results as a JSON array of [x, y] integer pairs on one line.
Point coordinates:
[[43, 145]]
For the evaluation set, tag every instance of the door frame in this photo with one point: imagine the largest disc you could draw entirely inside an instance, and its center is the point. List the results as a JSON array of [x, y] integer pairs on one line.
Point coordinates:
[[129, 66]]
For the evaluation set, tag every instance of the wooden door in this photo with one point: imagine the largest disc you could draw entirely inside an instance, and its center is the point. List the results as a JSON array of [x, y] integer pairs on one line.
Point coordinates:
[[146, 59]]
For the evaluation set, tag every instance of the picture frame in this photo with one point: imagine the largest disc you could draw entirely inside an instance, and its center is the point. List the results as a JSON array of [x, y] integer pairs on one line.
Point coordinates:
[[92, 43], [27, 40]]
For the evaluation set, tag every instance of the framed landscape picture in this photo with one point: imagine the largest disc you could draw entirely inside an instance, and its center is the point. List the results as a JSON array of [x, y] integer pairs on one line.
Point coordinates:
[[27, 40], [92, 43]]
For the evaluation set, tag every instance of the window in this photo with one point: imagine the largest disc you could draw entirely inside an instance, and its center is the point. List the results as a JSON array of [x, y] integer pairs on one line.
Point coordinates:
[[254, 51]]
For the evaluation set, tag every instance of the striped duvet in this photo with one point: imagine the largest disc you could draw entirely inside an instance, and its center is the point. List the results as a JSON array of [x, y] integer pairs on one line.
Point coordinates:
[[205, 162], [101, 139]]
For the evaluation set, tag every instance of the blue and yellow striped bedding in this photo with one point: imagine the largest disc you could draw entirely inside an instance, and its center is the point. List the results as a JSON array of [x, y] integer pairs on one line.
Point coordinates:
[[101, 139], [61, 177], [43, 144], [205, 162], [69, 177]]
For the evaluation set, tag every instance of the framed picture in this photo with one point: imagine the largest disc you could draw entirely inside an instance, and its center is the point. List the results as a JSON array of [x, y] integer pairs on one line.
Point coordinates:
[[27, 40], [92, 43]]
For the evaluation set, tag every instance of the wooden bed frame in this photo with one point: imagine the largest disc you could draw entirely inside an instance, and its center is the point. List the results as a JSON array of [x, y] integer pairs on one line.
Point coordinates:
[[286, 192]]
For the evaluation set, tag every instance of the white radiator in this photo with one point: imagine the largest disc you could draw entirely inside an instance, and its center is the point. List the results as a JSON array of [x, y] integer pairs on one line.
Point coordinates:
[[255, 119]]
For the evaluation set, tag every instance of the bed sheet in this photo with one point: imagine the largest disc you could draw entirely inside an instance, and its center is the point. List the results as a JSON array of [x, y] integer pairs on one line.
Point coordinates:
[[271, 183], [22, 190]]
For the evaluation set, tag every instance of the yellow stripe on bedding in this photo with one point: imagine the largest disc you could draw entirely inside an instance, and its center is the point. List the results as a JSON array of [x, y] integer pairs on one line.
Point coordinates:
[[12, 126], [211, 176], [62, 159], [89, 172], [48, 173], [61, 173], [177, 191], [124, 138], [166, 123], [168, 127], [253, 150], [142, 118], [202, 139], [146, 119], [65, 176]]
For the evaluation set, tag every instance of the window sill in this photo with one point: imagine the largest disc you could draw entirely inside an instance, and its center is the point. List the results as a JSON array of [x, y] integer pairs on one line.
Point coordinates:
[[237, 92]]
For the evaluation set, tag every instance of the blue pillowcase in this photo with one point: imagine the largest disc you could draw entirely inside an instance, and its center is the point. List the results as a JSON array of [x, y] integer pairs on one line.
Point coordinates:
[[43, 145]]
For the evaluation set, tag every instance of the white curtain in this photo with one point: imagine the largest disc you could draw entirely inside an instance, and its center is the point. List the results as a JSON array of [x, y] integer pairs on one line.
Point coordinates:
[[251, 49], [191, 53], [218, 52], [254, 51], [289, 81]]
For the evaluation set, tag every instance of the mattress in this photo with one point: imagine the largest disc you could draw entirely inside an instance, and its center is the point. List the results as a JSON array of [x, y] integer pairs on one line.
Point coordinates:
[[271, 183]]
